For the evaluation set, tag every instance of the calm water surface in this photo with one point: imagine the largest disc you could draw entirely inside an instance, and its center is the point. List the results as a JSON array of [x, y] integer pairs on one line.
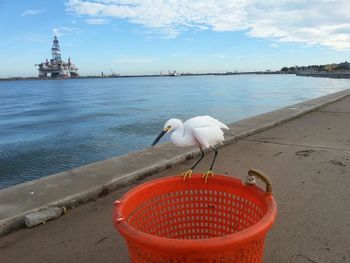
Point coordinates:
[[51, 126]]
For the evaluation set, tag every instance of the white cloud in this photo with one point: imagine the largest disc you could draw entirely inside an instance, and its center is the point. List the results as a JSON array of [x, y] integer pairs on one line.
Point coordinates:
[[274, 45], [62, 30], [32, 12], [324, 22], [97, 21]]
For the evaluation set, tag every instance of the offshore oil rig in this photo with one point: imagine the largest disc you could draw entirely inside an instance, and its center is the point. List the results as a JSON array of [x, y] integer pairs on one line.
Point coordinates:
[[56, 67]]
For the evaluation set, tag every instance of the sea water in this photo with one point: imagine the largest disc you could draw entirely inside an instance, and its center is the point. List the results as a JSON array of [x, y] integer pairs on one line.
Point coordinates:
[[54, 125]]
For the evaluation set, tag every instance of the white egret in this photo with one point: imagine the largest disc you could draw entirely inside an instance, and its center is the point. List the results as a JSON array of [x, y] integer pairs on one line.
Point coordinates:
[[203, 131]]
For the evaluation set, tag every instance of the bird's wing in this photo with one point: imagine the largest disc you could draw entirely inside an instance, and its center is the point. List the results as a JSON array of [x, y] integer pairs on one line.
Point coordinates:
[[204, 121], [208, 136]]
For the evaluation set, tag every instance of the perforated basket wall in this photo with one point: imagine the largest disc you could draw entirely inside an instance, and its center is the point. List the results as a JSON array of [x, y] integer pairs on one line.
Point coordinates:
[[168, 220]]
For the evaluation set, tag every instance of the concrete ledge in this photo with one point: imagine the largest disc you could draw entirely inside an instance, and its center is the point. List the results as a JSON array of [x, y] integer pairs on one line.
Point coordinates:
[[74, 187]]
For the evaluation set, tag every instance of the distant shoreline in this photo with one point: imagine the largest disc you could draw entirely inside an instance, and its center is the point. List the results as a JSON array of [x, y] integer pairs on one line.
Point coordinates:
[[165, 75], [338, 75], [332, 75]]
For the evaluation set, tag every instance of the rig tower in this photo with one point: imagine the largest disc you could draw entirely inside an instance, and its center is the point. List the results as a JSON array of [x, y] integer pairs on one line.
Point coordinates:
[[56, 67], [55, 50]]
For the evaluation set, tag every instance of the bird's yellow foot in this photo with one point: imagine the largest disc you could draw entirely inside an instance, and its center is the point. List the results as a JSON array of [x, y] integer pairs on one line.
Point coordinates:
[[207, 174], [186, 174]]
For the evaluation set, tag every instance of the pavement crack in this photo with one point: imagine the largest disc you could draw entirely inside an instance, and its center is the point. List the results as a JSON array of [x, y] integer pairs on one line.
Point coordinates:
[[307, 258], [337, 163], [305, 153], [102, 239]]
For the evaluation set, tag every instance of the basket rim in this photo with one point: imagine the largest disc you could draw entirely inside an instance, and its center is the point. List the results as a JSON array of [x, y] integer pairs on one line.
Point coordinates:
[[214, 243]]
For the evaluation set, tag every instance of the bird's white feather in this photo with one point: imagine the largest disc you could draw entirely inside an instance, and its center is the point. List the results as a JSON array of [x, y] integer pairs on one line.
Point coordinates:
[[204, 121], [208, 136], [204, 131]]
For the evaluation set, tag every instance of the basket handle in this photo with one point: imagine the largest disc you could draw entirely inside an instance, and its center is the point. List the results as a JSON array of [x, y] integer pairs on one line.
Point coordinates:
[[252, 173]]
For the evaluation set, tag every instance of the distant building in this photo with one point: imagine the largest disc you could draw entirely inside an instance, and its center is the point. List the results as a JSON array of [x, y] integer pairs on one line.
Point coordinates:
[[173, 74], [56, 67], [344, 65], [330, 67]]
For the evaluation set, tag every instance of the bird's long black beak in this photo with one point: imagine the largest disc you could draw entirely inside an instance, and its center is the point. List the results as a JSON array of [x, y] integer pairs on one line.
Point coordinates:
[[158, 138]]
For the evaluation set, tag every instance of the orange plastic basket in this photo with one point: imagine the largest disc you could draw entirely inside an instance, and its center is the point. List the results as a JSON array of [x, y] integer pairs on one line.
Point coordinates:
[[168, 220]]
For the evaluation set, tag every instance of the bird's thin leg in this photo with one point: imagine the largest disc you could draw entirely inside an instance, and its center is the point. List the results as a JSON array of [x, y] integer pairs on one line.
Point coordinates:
[[210, 171], [200, 159], [216, 153], [189, 172]]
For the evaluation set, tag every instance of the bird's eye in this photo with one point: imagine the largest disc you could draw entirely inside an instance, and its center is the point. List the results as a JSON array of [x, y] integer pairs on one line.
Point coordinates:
[[167, 128]]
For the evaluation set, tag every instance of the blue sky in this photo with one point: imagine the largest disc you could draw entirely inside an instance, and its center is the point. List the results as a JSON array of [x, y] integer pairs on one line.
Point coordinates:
[[146, 37]]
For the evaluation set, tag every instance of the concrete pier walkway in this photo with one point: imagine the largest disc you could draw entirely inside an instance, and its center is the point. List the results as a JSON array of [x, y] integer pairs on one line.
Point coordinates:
[[308, 160]]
